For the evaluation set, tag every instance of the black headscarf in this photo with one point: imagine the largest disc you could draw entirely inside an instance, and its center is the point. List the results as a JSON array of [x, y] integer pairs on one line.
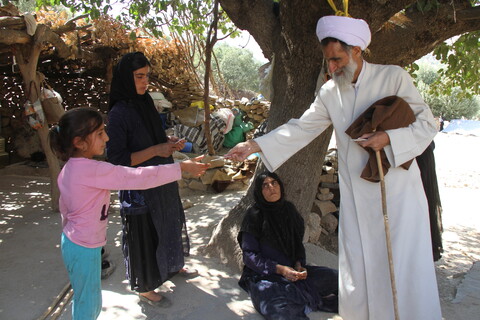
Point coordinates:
[[123, 89], [277, 223]]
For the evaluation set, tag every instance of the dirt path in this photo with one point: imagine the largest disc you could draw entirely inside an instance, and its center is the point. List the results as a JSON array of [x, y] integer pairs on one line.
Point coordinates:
[[32, 271], [458, 170]]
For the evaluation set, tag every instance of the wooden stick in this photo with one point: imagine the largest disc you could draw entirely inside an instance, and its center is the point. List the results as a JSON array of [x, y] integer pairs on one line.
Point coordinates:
[[61, 306], [387, 234], [56, 301]]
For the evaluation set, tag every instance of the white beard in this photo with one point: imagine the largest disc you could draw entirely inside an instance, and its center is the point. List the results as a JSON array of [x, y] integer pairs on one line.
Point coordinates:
[[344, 77]]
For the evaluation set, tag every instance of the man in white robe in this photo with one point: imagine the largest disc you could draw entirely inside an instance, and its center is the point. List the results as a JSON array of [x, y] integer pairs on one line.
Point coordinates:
[[364, 288]]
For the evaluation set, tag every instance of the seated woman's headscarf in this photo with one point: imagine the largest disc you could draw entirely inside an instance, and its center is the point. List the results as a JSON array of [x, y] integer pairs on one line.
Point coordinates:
[[123, 89], [277, 223]]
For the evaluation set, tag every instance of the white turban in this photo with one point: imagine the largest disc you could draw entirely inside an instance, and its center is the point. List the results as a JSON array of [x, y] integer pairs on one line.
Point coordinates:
[[354, 32]]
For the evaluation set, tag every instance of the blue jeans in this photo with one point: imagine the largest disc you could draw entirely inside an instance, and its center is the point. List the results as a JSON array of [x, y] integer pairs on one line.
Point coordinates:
[[84, 270]]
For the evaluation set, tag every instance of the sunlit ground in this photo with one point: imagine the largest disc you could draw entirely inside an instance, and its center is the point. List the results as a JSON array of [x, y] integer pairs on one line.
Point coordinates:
[[33, 273]]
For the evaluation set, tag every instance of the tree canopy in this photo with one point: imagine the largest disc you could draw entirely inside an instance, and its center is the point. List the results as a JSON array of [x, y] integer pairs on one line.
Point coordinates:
[[455, 104], [238, 67], [419, 27]]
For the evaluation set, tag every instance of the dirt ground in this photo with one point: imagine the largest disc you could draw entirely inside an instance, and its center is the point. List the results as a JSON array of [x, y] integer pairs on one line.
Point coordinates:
[[32, 272], [458, 170]]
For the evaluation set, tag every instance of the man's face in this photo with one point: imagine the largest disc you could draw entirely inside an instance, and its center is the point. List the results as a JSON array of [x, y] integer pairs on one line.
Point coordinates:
[[342, 65]]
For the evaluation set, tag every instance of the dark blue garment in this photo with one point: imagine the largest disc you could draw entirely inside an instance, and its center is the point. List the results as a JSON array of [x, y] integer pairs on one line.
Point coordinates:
[[275, 297], [155, 239]]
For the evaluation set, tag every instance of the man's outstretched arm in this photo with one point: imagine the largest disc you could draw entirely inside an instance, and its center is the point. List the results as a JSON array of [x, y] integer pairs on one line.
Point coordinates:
[[242, 150]]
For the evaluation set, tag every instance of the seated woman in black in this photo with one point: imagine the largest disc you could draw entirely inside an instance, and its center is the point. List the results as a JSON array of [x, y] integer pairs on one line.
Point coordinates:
[[275, 275]]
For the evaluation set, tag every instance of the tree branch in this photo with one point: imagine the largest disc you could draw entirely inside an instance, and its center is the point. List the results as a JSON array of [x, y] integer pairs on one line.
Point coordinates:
[[469, 14], [260, 20], [419, 37], [9, 37], [52, 37], [70, 25]]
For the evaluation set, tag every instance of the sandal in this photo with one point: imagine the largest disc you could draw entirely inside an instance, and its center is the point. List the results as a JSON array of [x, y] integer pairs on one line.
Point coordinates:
[[188, 273], [105, 253], [163, 303], [107, 269]]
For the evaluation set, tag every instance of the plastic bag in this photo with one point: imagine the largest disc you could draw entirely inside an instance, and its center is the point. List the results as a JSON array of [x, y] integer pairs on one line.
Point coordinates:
[[227, 116], [34, 114]]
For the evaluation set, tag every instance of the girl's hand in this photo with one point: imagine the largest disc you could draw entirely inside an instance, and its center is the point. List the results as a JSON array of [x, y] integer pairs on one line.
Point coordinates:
[[194, 167]]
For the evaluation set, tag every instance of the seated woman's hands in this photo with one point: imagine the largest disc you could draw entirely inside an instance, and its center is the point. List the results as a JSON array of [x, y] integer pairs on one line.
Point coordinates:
[[291, 274]]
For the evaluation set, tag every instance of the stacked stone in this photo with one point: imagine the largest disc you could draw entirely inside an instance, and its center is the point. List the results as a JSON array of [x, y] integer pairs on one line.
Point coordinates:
[[256, 111], [322, 220]]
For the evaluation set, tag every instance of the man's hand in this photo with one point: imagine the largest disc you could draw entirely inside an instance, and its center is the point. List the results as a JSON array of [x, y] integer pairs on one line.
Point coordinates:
[[242, 150], [376, 141]]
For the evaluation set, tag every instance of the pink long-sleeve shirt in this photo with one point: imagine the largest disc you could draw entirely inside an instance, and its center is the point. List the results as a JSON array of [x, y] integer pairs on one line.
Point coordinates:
[[85, 186]]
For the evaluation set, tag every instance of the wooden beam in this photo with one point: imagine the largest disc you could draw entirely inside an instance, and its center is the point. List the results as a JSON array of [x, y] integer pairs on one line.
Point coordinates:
[[17, 23], [10, 37]]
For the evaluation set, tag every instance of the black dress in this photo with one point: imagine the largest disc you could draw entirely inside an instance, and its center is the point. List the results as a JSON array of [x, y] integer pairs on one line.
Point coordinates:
[[271, 234], [155, 239]]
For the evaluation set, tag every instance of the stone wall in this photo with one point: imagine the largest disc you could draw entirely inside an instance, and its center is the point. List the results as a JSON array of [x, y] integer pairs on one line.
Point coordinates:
[[322, 221]]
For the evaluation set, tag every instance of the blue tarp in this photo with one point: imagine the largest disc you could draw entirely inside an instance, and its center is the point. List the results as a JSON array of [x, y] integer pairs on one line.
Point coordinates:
[[468, 127]]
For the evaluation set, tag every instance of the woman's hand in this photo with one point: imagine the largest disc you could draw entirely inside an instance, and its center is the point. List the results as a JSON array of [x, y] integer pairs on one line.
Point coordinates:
[[302, 272], [179, 143], [291, 274], [194, 167], [165, 149]]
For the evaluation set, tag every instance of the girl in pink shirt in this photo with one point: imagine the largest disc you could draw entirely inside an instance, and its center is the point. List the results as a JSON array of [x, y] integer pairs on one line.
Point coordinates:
[[85, 186]]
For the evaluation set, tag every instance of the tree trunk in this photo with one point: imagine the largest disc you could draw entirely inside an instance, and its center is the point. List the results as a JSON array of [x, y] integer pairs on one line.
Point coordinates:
[[27, 59], [210, 43], [295, 72]]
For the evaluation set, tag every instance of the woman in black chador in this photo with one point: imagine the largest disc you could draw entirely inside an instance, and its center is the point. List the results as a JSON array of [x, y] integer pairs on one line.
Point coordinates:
[[155, 239], [275, 275]]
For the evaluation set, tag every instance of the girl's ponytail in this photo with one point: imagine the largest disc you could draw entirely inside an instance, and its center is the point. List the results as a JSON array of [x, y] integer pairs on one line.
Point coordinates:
[[55, 141]]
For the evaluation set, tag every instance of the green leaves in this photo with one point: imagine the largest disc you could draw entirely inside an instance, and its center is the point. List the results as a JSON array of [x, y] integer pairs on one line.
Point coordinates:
[[444, 98], [462, 64], [427, 5], [238, 67]]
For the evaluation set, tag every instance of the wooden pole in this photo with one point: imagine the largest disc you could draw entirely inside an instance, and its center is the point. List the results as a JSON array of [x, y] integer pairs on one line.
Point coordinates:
[[59, 302], [387, 234]]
